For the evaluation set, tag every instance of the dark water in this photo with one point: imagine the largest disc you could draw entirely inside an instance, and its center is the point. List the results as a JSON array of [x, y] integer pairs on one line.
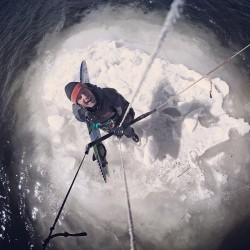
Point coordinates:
[[24, 25]]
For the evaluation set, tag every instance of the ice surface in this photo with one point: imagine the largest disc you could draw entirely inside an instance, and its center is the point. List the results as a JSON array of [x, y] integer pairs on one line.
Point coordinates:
[[167, 158], [176, 174]]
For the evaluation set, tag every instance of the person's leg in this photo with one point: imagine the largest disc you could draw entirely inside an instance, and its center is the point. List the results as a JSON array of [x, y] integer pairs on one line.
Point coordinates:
[[102, 152], [129, 132]]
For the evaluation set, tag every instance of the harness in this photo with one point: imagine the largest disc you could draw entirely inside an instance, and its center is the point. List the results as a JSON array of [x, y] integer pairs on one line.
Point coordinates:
[[107, 126], [110, 124]]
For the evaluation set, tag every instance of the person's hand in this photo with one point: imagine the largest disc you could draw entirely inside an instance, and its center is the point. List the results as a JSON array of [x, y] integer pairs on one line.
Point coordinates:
[[118, 131]]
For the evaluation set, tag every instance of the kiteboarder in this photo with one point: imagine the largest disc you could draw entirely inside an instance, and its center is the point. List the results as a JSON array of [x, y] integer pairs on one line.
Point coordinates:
[[101, 108]]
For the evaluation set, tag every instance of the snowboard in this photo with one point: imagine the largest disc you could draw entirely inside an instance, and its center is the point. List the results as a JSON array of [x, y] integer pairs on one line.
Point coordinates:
[[99, 150]]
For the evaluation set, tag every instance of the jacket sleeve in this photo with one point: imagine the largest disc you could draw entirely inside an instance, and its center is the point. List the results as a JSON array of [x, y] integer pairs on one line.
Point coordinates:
[[116, 100], [79, 113]]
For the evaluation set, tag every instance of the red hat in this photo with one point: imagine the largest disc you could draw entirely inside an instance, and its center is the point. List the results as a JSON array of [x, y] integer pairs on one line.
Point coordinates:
[[73, 89]]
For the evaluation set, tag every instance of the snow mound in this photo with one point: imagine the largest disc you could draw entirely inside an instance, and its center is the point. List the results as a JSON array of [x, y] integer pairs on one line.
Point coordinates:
[[202, 123]]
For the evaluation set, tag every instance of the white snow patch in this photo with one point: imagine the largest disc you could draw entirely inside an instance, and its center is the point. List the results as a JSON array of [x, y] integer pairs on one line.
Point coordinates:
[[183, 197], [187, 217], [219, 177], [216, 159], [56, 122], [191, 121], [34, 213], [150, 151]]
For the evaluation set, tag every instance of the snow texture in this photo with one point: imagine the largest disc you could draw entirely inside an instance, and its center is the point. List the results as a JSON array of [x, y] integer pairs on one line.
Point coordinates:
[[176, 175]]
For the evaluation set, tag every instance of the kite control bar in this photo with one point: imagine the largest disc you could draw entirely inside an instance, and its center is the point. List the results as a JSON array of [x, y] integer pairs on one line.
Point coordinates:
[[103, 138]]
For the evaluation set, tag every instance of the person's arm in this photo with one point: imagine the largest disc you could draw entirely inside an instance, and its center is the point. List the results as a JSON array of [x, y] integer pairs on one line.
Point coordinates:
[[79, 113], [117, 100], [121, 107]]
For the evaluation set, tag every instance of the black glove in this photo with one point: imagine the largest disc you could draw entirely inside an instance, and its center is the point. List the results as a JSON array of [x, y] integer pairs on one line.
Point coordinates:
[[118, 131]]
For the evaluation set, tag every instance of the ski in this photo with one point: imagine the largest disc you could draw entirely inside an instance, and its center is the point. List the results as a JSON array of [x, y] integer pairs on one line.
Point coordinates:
[[99, 149]]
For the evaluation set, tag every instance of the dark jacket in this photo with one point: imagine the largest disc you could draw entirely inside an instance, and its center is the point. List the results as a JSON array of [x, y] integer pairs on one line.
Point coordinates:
[[110, 106]]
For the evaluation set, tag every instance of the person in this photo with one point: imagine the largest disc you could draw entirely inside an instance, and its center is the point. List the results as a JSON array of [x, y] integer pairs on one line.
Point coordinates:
[[101, 108]]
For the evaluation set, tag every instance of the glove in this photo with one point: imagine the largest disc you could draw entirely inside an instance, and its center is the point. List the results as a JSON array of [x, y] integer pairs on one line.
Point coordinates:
[[118, 131]]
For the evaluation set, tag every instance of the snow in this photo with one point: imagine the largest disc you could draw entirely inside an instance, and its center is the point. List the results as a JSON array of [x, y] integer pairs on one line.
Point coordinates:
[[56, 122], [117, 67], [151, 166], [174, 177]]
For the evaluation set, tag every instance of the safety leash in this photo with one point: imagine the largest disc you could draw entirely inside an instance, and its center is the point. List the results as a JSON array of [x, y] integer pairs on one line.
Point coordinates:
[[65, 234], [130, 218]]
